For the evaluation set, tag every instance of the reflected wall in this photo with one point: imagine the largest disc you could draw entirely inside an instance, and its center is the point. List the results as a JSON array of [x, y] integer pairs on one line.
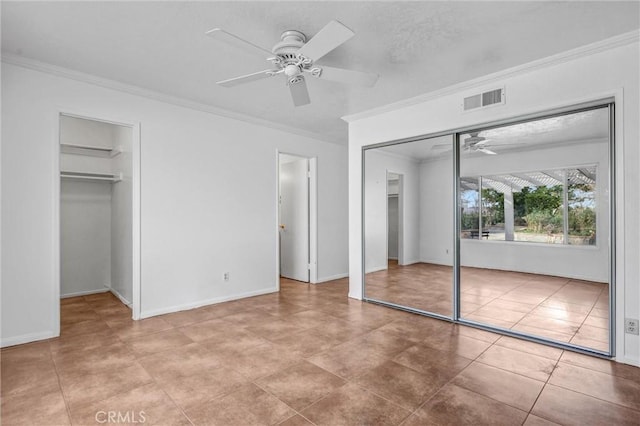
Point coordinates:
[[408, 225]]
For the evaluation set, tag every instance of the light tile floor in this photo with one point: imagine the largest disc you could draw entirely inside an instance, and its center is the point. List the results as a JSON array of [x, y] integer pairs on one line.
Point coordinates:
[[308, 355], [557, 308]]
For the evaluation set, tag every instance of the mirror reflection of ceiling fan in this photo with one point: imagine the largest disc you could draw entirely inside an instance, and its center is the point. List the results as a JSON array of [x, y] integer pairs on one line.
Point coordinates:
[[294, 57], [477, 143]]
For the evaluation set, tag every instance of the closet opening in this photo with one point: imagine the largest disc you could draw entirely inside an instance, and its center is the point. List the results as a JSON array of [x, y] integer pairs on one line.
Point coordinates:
[[97, 235]]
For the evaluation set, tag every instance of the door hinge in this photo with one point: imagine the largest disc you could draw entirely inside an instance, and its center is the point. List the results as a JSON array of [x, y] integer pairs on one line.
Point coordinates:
[[308, 175]]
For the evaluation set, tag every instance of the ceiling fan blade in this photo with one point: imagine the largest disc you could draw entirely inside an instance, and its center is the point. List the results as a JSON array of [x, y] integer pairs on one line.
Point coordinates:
[[246, 78], [235, 41], [342, 75], [487, 151], [327, 39], [299, 93]]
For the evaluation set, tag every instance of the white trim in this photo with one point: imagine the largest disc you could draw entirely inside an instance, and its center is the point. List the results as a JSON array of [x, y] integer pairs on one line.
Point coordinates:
[[206, 302], [332, 278], [382, 151], [55, 70], [312, 163], [353, 296], [84, 293], [621, 202], [28, 338], [136, 224], [117, 294], [377, 269], [277, 227], [56, 269], [569, 55], [313, 220], [630, 361]]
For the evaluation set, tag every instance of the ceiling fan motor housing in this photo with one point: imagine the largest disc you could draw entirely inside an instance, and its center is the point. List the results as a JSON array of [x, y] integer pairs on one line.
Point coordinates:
[[290, 42], [287, 57]]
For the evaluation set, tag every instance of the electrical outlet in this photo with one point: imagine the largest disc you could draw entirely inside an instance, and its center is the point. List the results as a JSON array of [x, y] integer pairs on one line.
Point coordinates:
[[225, 277], [631, 326]]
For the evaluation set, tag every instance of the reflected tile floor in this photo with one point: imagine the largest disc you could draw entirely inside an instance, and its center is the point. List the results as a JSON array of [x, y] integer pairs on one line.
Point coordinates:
[[557, 308], [307, 355]]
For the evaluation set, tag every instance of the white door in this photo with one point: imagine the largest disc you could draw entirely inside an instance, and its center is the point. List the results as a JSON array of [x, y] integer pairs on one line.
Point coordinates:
[[294, 218]]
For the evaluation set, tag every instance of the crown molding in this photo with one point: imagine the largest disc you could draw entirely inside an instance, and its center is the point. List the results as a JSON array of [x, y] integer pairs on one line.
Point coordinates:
[[57, 71], [559, 58]]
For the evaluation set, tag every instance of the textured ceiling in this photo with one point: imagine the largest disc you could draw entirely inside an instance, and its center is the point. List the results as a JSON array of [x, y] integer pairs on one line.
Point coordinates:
[[582, 127], [416, 47]]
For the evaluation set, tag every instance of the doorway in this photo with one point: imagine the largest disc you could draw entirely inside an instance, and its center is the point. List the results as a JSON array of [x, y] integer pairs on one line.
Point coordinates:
[[98, 237], [394, 218], [297, 218]]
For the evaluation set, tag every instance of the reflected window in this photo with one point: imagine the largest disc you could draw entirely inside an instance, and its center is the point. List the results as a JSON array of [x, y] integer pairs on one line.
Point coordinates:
[[531, 207], [469, 207]]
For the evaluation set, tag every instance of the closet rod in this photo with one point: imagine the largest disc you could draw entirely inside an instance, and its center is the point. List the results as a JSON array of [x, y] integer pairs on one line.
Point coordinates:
[[91, 176], [94, 149]]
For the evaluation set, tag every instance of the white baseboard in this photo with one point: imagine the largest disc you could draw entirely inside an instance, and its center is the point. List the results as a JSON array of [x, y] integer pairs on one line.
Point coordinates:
[[630, 361], [351, 296], [84, 293], [436, 262], [117, 294], [332, 278], [376, 269], [26, 338], [206, 302]]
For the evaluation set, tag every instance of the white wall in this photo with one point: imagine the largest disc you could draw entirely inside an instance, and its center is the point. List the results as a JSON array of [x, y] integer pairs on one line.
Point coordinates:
[[208, 189], [598, 71], [436, 211], [85, 237], [121, 216]]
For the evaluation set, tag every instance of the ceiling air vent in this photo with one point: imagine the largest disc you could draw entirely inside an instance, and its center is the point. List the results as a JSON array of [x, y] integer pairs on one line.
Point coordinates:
[[492, 97]]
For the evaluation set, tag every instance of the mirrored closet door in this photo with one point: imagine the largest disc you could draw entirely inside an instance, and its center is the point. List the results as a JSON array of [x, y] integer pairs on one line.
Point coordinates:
[[535, 228], [409, 226]]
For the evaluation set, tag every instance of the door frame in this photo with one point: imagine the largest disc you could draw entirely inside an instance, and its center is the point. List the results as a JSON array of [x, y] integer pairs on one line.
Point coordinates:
[[136, 282], [400, 216], [313, 216]]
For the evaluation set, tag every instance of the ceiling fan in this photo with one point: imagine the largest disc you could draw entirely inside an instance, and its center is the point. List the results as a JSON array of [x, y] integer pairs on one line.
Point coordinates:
[[294, 57], [477, 143]]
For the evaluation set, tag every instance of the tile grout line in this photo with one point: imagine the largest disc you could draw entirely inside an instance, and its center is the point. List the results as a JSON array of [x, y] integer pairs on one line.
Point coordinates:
[[64, 397], [451, 380], [296, 411], [592, 396], [543, 387]]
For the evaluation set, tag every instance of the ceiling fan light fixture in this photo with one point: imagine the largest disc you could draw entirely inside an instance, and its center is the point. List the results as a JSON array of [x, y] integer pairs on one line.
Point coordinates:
[[292, 70]]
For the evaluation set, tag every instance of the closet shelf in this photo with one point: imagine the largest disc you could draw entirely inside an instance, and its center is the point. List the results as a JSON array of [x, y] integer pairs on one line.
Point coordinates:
[[117, 177], [97, 151]]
